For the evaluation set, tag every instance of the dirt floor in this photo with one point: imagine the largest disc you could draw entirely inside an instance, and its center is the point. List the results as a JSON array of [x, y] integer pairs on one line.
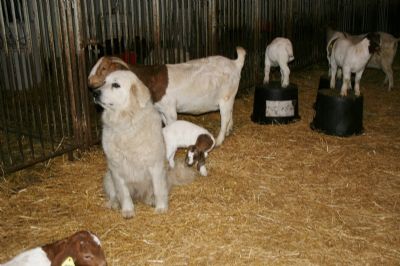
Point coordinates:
[[275, 194]]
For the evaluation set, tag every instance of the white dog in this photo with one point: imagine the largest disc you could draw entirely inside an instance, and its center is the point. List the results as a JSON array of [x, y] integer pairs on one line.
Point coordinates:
[[133, 143]]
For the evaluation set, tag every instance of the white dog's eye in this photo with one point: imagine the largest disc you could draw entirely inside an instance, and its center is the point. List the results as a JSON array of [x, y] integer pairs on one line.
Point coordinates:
[[115, 85]]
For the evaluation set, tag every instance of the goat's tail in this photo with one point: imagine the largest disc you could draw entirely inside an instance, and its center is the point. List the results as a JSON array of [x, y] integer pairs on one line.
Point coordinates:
[[241, 56], [289, 51], [180, 174]]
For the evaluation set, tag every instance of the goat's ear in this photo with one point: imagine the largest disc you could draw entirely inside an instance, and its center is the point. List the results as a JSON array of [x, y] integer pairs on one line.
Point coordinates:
[[114, 66], [121, 63], [141, 93]]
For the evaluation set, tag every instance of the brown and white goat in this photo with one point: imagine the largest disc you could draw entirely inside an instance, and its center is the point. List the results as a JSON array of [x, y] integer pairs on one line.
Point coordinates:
[[352, 58], [382, 60], [184, 134], [195, 87], [83, 247]]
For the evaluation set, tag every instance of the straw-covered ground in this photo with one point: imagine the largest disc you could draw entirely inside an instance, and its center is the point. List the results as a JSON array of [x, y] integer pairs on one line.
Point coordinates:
[[275, 194]]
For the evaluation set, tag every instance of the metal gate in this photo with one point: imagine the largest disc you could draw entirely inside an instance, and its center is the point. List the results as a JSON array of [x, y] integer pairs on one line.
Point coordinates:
[[47, 48], [44, 108]]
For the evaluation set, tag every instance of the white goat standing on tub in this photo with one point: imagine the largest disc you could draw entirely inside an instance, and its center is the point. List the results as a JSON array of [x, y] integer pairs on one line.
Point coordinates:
[[278, 53], [352, 58], [382, 60], [184, 134]]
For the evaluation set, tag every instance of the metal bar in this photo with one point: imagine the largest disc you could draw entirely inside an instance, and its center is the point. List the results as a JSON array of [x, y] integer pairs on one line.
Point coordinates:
[[15, 88], [17, 167], [42, 91], [85, 119], [102, 26], [118, 24], [156, 30], [127, 38], [32, 106], [110, 26], [56, 82], [63, 92], [67, 31], [3, 30], [9, 84]]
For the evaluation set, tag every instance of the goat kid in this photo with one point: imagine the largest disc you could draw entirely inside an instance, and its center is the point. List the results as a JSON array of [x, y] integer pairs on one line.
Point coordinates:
[[278, 53], [83, 248], [352, 58], [195, 87], [184, 134], [382, 60]]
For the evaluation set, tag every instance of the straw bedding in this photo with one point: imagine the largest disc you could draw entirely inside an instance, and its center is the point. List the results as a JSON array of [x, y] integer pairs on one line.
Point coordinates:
[[275, 194]]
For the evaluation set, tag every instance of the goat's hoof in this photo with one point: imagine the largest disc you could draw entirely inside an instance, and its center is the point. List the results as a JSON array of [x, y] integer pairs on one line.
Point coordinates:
[[203, 171], [161, 209], [127, 214], [218, 142]]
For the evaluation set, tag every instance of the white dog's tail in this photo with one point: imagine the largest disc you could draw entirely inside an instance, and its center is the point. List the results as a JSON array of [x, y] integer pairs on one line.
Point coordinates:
[[180, 174]]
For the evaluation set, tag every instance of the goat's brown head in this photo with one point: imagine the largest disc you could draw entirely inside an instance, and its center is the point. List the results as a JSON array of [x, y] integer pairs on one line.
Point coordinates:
[[195, 155], [83, 247], [104, 66], [374, 42]]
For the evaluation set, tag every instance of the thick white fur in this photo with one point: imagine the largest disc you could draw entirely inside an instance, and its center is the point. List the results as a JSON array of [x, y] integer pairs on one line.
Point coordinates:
[[35, 256], [352, 58], [203, 85], [182, 134], [133, 143], [278, 53]]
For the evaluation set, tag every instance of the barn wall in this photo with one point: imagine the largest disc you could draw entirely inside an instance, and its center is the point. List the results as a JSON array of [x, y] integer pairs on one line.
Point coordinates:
[[48, 46]]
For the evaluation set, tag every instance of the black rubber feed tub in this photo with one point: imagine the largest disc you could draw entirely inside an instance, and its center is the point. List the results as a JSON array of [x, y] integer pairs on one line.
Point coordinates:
[[337, 115], [274, 104]]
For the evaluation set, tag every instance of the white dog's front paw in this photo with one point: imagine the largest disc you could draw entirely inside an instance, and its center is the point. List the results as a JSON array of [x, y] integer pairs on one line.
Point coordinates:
[[127, 214], [203, 170]]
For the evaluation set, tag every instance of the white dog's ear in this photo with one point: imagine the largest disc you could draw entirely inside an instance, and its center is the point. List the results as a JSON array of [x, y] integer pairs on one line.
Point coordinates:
[[141, 93]]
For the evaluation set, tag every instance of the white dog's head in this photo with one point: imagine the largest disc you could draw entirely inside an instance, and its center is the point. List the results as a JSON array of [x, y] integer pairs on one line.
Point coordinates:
[[122, 91]]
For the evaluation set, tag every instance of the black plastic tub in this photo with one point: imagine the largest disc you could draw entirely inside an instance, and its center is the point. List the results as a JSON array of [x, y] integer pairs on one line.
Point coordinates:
[[337, 115], [275, 105]]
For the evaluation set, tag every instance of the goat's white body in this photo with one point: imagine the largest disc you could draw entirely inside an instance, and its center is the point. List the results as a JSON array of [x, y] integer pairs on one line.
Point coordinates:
[[182, 134], [352, 58], [200, 86], [35, 256], [278, 53]]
